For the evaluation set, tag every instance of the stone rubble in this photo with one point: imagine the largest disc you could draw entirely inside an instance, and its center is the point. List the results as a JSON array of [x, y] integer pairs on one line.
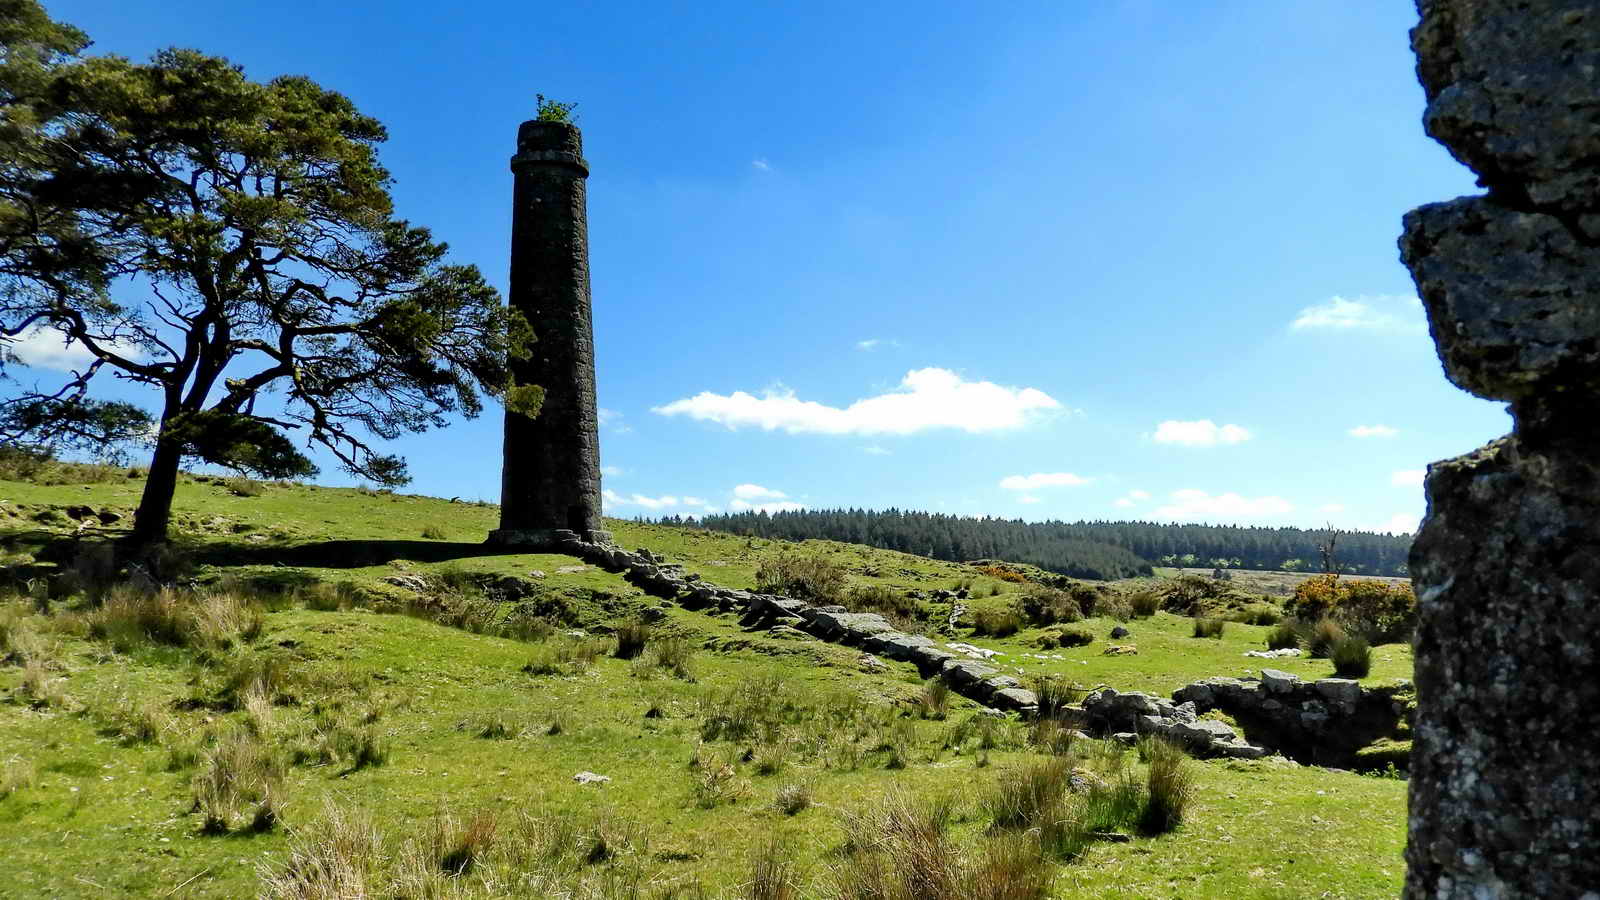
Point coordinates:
[[869, 632]]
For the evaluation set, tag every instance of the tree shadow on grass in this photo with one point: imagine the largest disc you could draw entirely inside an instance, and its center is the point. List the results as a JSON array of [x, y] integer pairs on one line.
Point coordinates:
[[54, 547]]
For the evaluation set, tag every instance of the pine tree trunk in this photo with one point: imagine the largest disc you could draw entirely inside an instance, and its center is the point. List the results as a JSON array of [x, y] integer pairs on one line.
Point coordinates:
[[155, 506]]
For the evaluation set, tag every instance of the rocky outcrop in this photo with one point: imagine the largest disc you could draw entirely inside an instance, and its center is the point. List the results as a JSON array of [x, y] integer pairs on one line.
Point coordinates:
[[1107, 711], [1505, 775], [868, 631]]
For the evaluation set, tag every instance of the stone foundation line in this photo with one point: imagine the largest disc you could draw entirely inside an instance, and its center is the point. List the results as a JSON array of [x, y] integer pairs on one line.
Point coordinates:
[[1296, 704]]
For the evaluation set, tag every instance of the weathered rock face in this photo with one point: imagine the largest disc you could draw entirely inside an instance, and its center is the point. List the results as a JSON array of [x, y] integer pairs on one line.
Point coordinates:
[[1505, 777]]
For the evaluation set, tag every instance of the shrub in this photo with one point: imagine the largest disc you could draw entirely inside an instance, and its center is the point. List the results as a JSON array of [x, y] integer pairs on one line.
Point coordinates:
[[1002, 573], [1043, 605], [1377, 610], [934, 701], [1256, 614], [330, 858], [1144, 603], [1208, 628], [1050, 736], [1321, 637], [1027, 794], [434, 533], [996, 622], [631, 638], [768, 759], [1075, 636], [716, 781], [792, 798], [1055, 695], [773, 875], [1352, 658], [812, 578], [1169, 786], [890, 603], [244, 487], [16, 775], [240, 776], [674, 655], [1284, 636], [1114, 606], [569, 656], [324, 597], [456, 846]]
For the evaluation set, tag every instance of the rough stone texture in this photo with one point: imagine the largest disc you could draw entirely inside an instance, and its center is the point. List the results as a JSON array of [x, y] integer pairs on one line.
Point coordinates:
[[1505, 773], [551, 475]]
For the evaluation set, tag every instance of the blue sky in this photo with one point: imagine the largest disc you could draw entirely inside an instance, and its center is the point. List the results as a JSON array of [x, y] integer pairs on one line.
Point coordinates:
[[1057, 260]]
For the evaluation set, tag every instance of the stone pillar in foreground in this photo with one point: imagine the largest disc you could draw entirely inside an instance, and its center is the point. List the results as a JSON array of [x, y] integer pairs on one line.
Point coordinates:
[[551, 477], [1505, 771]]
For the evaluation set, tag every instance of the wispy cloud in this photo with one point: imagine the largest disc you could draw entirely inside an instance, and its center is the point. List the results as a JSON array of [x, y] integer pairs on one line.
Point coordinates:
[[1191, 505], [1131, 499], [44, 347], [1042, 480], [874, 343], [1383, 312], [665, 501], [1399, 523], [1200, 433], [757, 492], [1373, 431], [755, 498], [926, 399], [610, 418], [1408, 477], [760, 164]]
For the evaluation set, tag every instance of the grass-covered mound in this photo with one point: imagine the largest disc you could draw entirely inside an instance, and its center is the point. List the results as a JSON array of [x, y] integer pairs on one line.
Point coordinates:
[[329, 698]]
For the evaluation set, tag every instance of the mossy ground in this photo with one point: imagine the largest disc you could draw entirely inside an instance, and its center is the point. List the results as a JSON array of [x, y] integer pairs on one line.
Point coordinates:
[[105, 815]]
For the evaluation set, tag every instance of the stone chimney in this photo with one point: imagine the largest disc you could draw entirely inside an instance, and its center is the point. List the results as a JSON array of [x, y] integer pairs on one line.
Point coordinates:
[[550, 481], [1505, 765]]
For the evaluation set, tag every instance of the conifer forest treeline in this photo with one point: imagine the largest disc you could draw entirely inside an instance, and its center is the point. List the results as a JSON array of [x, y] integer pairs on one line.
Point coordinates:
[[1100, 550]]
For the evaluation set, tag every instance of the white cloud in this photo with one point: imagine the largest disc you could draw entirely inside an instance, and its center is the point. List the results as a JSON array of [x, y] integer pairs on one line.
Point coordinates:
[[1027, 498], [45, 347], [612, 471], [1196, 505], [1131, 499], [877, 451], [874, 343], [1041, 480], [926, 399], [760, 164], [1384, 312], [1201, 433], [662, 502], [665, 501], [1370, 431], [610, 418], [757, 492], [1408, 477], [1399, 523], [782, 506]]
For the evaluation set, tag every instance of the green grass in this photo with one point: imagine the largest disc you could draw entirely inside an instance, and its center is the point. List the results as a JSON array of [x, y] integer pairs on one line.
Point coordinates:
[[108, 772]]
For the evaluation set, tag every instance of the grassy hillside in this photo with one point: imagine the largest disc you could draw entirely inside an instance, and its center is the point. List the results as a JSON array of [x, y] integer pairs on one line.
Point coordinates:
[[440, 760]]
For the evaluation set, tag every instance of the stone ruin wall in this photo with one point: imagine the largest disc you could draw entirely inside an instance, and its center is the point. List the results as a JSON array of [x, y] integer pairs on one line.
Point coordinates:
[[1505, 776]]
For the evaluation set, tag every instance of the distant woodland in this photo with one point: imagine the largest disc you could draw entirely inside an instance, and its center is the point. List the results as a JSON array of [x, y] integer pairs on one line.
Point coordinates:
[[1099, 550]]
